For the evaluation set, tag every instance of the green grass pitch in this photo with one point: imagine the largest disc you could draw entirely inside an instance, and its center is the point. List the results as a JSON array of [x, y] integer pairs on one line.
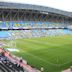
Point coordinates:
[[52, 53]]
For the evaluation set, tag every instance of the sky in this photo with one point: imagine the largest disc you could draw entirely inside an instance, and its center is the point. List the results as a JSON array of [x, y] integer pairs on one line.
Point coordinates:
[[65, 5]]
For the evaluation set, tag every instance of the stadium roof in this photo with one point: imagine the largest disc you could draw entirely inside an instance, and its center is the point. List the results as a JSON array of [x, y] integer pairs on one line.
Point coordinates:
[[34, 7]]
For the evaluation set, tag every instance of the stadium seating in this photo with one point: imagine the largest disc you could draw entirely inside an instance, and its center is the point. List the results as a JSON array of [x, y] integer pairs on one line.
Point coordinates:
[[7, 66], [28, 24], [11, 63], [33, 33], [5, 34], [40, 33]]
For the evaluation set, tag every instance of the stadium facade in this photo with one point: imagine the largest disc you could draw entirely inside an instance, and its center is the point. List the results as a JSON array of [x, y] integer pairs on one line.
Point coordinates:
[[34, 20]]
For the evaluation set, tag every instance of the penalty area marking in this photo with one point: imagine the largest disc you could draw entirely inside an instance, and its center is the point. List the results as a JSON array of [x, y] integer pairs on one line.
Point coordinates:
[[12, 49]]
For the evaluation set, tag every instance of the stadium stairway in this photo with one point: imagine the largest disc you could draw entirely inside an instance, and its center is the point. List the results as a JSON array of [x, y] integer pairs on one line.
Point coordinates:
[[7, 66], [9, 63]]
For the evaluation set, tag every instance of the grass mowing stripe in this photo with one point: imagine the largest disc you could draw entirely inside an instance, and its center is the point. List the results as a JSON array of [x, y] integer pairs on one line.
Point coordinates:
[[46, 51]]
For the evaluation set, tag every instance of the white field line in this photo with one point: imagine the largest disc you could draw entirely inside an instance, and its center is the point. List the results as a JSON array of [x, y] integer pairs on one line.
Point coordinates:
[[13, 49], [46, 43], [39, 58]]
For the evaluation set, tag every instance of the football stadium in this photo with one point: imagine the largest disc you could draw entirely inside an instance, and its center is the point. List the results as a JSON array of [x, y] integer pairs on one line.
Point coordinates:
[[35, 38]]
